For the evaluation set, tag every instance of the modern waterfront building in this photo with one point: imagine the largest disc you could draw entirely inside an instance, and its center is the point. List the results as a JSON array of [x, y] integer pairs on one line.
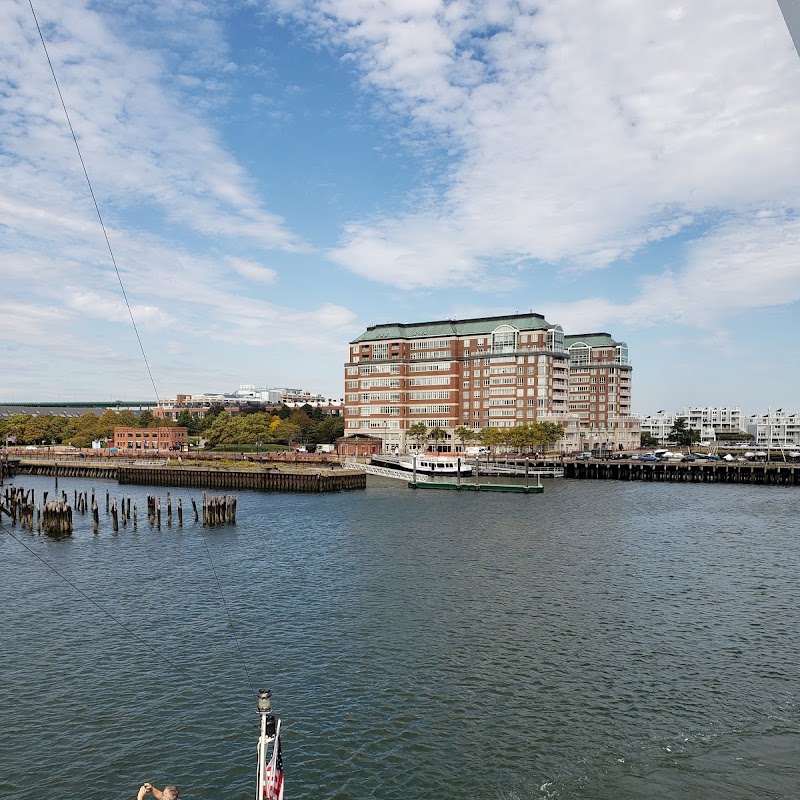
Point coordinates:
[[486, 372], [708, 421]]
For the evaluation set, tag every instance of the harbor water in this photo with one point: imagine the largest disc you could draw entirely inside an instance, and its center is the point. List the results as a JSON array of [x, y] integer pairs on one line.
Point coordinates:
[[601, 640]]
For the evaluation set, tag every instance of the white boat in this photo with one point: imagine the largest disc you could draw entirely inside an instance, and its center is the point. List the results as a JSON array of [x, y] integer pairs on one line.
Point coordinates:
[[436, 464]]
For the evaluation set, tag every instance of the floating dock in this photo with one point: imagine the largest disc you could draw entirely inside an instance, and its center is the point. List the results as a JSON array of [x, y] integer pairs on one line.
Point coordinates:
[[483, 487]]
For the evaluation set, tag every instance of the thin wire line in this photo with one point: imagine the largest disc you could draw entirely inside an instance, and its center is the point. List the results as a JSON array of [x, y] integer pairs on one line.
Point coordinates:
[[94, 200], [230, 621], [120, 623]]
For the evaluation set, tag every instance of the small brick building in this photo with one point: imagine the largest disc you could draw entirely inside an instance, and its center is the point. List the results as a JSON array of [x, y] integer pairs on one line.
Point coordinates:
[[359, 444]]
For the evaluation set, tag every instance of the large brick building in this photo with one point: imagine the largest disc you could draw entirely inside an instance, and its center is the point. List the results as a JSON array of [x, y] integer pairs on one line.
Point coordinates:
[[488, 372]]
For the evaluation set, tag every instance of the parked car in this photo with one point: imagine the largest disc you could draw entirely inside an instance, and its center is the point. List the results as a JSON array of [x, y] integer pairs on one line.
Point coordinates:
[[690, 457], [583, 456], [648, 457]]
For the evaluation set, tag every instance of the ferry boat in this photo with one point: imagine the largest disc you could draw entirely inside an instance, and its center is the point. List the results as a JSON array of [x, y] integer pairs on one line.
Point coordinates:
[[436, 464]]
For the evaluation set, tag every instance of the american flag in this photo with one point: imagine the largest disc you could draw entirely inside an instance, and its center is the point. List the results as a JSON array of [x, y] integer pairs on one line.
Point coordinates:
[[273, 787]]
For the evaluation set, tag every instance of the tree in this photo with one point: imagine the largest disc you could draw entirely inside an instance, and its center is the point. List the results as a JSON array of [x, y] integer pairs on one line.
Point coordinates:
[[681, 435], [464, 435], [491, 438], [188, 421], [208, 418], [37, 430], [548, 434], [287, 433], [437, 434], [326, 431], [419, 432], [648, 440], [15, 427], [146, 418]]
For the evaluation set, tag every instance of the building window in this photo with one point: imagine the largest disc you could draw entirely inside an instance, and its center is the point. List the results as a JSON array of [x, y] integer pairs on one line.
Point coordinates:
[[504, 339]]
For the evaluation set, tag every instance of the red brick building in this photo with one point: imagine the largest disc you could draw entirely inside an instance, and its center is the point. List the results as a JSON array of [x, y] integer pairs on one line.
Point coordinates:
[[151, 439]]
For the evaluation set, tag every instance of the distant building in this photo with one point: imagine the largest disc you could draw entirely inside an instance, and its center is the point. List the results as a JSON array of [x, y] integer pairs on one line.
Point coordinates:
[[708, 421], [247, 395], [775, 430], [150, 438]]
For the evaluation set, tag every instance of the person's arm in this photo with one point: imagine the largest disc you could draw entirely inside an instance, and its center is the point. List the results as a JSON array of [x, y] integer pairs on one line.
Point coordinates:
[[148, 787]]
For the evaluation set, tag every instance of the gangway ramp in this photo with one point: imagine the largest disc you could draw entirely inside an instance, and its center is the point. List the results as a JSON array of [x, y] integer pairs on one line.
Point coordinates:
[[386, 472]]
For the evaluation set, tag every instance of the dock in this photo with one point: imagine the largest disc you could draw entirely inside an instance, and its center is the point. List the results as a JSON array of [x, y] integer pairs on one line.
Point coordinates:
[[273, 480], [775, 473], [479, 487]]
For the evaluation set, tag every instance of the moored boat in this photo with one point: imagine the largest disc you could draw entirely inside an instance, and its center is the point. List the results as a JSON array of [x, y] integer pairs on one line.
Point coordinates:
[[436, 464]]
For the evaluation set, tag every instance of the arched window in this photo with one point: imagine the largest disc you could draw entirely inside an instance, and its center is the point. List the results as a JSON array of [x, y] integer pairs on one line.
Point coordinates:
[[579, 354], [555, 339], [504, 339]]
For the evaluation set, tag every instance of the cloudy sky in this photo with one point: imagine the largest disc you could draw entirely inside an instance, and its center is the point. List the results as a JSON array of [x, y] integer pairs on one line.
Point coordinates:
[[275, 175]]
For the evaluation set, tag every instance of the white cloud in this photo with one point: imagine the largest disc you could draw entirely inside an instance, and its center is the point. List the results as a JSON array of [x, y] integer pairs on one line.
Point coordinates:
[[252, 270], [143, 149], [581, 132]]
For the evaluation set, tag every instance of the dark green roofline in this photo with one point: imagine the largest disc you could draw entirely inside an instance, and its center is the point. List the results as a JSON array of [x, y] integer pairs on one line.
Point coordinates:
[[452, 327], [599, 339]]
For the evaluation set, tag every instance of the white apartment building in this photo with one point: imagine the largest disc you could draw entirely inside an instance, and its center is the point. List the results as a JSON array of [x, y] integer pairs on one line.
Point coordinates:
[[706, 420], [775, 430]]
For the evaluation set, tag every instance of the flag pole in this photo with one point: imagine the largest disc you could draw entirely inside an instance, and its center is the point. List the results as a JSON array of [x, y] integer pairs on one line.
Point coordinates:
[[269, 733]]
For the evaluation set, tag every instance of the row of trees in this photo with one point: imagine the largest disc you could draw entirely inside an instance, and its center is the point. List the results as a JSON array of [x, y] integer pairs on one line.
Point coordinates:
[[261, 429], [307, 425], [535, 437]]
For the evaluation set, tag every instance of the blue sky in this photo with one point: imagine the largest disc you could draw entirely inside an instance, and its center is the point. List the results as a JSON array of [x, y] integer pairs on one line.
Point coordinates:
[[276, 176]]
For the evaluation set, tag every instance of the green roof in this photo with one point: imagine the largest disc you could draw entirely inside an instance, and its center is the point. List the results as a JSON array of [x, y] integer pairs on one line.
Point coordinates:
[[592, 339], [452, 327]]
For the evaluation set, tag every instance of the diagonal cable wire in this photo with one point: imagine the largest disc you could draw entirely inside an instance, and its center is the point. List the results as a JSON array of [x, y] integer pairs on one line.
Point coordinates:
[[119, 622], [94, 200], [230, 621]]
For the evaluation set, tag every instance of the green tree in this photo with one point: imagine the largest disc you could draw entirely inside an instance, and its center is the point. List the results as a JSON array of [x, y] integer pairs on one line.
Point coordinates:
[[208, 418], [189, 421], [681, 435], [288, 433], [127, 419], [108, 421], [300, 418], [37, 430], [419, 433], [220, 430], [491, 438], [464, 435], [146, 418], [547, 434], [15, 427], [437, 434], [326, 431], [648, 440]]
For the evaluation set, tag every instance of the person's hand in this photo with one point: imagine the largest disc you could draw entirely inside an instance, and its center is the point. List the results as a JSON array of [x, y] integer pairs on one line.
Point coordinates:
[[142, 791]]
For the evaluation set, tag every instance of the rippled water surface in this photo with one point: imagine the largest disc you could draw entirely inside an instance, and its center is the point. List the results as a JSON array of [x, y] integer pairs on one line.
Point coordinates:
[[602, 640]]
